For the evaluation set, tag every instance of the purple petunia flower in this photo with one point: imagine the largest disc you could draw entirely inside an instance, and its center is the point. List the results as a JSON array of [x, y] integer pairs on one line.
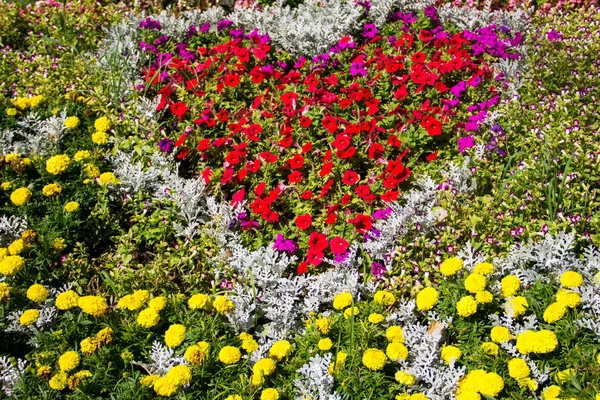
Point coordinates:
[[224, 24], [370, 31], [554, 35], [465, 143], [281, 244], [377, 269], [165, 145], [205, 27], [150, 23], [358, 68]]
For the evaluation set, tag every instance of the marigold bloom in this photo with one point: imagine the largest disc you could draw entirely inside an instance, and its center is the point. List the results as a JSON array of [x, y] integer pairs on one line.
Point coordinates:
[[466, 306], [394, 334], [199, 302], [483, 268], [102, 124], [396, 351], [475, 283], [451, 266], [148, 318], [376, 318], [229, 355], [555, 312], [29, 317], [58, 164], [72, 122], [93, 305], [450, 353], [37, 293], [342, 300], [100, 138], [490, 348], [269, 394], [374, 359], [20, 196], [67, 300], [427, 299], [571, 279], [68, 361], [11, 265], [518, 368], [72, 206], [223, 305], [384, 297], [404, 378], [280, 350], [325, 344], [510, 285], [175, 335]]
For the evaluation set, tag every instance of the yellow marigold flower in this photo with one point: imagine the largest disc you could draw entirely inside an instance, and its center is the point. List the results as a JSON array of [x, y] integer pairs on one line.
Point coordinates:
[[29, 317], [102, 124], [350, 312], [475, 283], [17, 247], [234, 397], [492, 385], [384, 297], [257, 380], [280, 350], [518, 369], [451, 266], [93, 305], [325, 344], [403, 396], [450, 353], [58, 164], [148, 318], [223, 305], [466, 306], [404, 378], [130, 302], [484, 297], [51, 189], [565, 375], [510, 285], [89, 346], [375, 318], [374, 359], [59, 381], [148, 381], [180, 375], [394, 334], [269, 394], [490, 348], [11, 112], [164, 387], [484, 268], [516, 306], [71, 206], [44, 372], [554, 312], [418, 396], [108, 178], [396, 351], [264, 367], [540, 342], [500, 334], [36, 100], [158, 303], [427, 299], [568, 298], [229, 355], [175, 335], [91, 170], [20, 196], [571, 279], [12, 158], [336, 366], [248, 343], [3, 253], [11, 265], [5, 186], [37, 293], [68, 361], [26, 161], [5, 291], [197, 353], [342, 300], [59, 244], [200, 302], [72, 122], [551, 393], [29, 236], [82, 155], [323, 325], [67, 300], [22, 103], [75, 381], [100, 138]]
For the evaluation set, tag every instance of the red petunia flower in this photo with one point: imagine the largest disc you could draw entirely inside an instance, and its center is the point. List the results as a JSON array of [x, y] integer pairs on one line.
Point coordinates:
[[296, 162], [389, 196], [232, 80], [295, 177], [363, 190], [330, 220], [345, 200], [268, 157], [204, 144], [330, 124], [432, 156], [342, 141], [238, 197], [326, 169], [179, 109], [317, 241], [302, 268], [338, 245], [303, 221], [305, 122], [306, 195], [260, 189], [350, 178], [375, 151], [362, 223]]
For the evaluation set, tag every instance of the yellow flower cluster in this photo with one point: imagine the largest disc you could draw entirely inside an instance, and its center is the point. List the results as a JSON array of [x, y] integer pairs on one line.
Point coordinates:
[[323, 325], [262, 369], [248, 342], [280, 350], [466, 306], [72, 122], [66, 300], [29, 317], [175, 335], [37, 293], [479, 382], [82, 155], [404, 378], [200, 302], [223, 305], [451, 266], [500, 334], [269, 394], [77, 379], [197, 353], [5, 291], [148, 317], [510, 285], [72, 206], [51, 190], [490, 348], [384, 297], [325, 344], [93, 305], [108, 178], [17, 247], [516, 306], [336, 366], [91, 345], [376, 318], [229, 355], [11, 265], [100, 138], [177, 377], [374, 359], [427, 299], [20, 196], [23, 103], [540, 342], [450, 354], [342, 300], [134, 301], [102, 124], [68, 361], [58, 164], [519, 370]]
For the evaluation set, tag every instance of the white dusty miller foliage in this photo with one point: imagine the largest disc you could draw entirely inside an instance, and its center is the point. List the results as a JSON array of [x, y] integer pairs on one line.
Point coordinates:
[[163, 359], [314, 381], [11, 228], [10, 374], [33, 135], [135, 177], [310, 29]]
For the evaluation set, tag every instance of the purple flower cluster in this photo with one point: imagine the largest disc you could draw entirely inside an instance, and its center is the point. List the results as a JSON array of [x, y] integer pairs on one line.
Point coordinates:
[[150, 23], [281, 244]]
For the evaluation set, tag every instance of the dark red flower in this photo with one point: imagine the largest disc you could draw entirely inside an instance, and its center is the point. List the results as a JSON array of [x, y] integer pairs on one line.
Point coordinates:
[[295, 177], [238, 197], [345, 200], [296, 162], [306, 147], [268, 157], [317, 241], [330, 124], [326, 188], [260, 189], [326, 169], [330, 220], [363, 190], [432, 156], [350, 178], [375, 151], [306, 195], [389, 196], [302, 268], [362, 223], [204, 144], [341, 141], [303, 221], [419, 57], [338, 245], [305, 122], [232, 80]]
